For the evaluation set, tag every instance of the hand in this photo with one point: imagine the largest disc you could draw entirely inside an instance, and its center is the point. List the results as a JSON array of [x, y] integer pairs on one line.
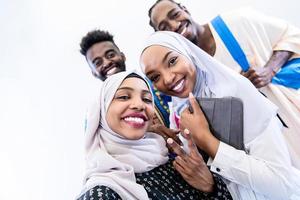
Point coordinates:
[[191, 166], [260, 77], [165, 132], [197, 124], [155, 120]]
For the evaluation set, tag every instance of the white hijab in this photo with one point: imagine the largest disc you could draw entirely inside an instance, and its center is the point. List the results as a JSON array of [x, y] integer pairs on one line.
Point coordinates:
[[111, 159], [216, 80]]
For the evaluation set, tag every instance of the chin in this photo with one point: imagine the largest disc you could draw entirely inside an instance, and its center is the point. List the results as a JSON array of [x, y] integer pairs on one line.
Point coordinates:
[[119, 70], [137, 137], [183, 95]]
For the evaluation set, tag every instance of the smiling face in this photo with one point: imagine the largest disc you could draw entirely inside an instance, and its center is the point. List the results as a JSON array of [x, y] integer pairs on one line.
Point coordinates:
[[105, 59], [168, 16], [131, 109], [171, 72]]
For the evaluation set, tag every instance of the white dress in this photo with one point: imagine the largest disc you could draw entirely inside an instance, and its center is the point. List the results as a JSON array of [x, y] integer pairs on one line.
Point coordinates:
[[258, 36]]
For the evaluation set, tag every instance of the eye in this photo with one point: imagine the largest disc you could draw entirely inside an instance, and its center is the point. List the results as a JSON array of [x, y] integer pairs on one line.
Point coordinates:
[[147, 100], [175, 15], [162, 27], [172, 61], [154, 78], [111, 54], [98, 63], [122, 97]]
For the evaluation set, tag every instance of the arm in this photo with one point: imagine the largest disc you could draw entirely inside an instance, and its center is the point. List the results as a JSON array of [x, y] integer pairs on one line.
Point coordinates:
[[277, 60], [272, 39], [267, 164], [261, 77], [265, 170]]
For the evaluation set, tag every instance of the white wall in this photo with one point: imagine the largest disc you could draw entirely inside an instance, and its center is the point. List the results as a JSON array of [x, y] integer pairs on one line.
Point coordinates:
[[45, 83]]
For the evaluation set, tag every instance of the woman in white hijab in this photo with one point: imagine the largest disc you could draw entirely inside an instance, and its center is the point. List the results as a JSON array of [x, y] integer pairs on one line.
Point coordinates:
[[123, 160], [177, 67]]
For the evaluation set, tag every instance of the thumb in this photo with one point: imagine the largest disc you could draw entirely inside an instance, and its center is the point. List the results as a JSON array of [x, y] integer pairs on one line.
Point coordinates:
[[194, 104]]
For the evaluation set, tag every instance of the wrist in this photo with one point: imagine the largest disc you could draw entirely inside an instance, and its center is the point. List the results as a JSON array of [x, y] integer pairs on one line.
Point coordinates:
[[209, 188], [273, 70], [211, 145]]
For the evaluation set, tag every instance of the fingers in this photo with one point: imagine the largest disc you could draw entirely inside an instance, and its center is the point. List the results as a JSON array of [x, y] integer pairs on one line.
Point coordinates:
[[172, 133], [194, 104], [248, 73], [164, 132], [253, 76], [180, 169], [192, 146], [259, 77], [176, 148], [194, 153], [258, 83]]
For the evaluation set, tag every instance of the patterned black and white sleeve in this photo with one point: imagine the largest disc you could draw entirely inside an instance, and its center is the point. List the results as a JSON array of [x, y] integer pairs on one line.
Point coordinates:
[[100, 193]]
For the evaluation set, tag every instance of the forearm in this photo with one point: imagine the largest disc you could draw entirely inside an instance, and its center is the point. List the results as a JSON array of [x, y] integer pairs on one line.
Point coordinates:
[[252, 172], [278, 59], [209, 143], [267, 164]]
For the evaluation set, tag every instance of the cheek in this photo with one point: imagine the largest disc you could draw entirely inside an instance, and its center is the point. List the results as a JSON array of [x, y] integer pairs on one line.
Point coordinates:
[[193, 73], [159, 85], [113, 115], [109, 118], [150, 111], [118, 59]]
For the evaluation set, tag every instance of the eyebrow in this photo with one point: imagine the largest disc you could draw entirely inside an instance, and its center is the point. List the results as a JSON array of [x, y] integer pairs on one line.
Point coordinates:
[[166, 56], [95, 59], [106, 52], [170, 12], [163, 60], [131, 89], [168, 15]]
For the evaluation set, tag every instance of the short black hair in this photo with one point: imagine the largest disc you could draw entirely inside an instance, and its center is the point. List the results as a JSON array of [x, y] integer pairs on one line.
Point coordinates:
[[151, 8], [94, 37]]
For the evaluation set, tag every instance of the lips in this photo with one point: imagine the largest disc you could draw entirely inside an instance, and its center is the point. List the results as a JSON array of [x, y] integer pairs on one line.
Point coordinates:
[[136, 120], [182, 27], [178, 87], [110, 70]]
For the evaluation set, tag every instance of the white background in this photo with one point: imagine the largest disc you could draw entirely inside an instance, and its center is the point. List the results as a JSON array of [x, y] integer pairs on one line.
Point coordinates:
[[45, 83]]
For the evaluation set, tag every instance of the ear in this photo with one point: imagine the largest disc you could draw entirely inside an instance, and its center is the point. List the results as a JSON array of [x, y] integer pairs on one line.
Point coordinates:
[[123, 56]]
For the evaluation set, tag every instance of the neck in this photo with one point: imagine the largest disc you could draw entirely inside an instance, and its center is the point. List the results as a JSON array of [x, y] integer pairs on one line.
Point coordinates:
[[205, 39]]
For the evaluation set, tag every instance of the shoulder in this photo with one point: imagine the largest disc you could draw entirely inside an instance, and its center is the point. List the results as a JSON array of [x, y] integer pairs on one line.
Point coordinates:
[[240, 13], [249, 15]]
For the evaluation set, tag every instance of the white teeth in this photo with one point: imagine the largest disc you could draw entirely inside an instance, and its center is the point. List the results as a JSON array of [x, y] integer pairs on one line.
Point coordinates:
[[183, 31], [134, 119], [111, 71], [179, 86]]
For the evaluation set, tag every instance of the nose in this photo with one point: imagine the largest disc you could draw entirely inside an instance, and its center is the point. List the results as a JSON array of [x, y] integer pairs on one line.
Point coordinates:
[[106, 63], [137, 104], [173, 25], [169, 79]]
